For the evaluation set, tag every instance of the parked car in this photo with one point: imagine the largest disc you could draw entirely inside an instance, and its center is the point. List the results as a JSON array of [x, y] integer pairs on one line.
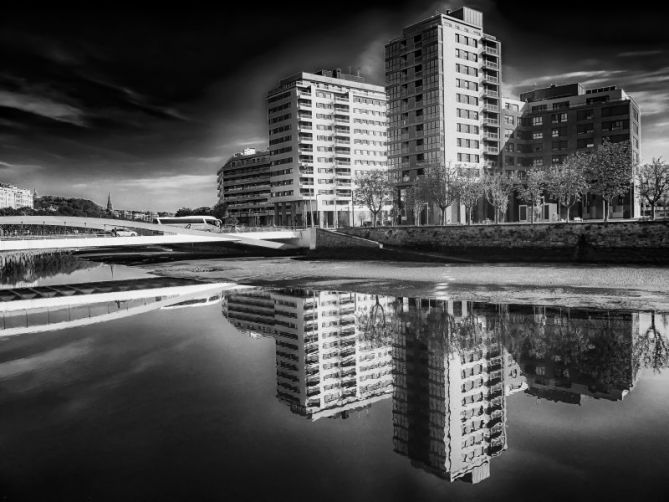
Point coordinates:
[[122, 232]]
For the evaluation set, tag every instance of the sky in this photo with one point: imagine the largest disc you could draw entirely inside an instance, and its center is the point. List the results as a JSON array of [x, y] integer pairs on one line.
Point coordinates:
[[147, 103]]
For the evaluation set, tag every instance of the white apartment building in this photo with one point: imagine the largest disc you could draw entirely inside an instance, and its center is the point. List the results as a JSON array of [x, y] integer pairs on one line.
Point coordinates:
[[443, 78], [15, 197], [327, 364], [324, 128]]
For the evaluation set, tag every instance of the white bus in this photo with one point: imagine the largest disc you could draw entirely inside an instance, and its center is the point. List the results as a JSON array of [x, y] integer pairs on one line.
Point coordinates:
[[205, 223]]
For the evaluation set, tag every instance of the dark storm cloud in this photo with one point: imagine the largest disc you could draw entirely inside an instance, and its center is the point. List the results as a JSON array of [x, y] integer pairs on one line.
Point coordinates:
[[148, 103]]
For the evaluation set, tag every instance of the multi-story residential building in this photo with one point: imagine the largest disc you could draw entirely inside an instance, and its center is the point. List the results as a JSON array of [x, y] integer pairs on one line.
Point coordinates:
[[328, 361], [244, 185], [565, 355], [443, 77], [450, 387], [559, 120], [15, 197], [323, 129]]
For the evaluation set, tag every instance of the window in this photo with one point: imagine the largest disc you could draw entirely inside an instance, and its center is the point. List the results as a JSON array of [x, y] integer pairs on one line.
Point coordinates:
[[585, 115], [537, 121], [556, 118], [585, 128], [539, 108], [537, 135], [585, 143]]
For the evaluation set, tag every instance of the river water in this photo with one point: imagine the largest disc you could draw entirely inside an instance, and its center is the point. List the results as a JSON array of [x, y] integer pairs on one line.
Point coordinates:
[[119, 385]]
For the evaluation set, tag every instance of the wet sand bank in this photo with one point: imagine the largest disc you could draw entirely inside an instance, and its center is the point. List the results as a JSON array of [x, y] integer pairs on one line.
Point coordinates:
[[620, 287]]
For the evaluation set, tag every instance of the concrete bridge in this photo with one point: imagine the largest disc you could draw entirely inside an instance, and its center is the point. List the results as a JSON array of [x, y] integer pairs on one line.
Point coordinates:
[[149, 234]]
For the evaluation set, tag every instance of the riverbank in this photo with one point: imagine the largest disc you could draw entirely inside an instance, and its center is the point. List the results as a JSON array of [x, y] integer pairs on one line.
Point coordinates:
[[615, 242], [629, 287]]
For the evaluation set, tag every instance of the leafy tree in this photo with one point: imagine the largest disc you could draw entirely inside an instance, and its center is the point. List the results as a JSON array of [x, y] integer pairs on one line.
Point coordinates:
[[531, 189], [653, 182], [202, 211], [469, 188], [220, 210], [66, 207], [498, 188], [373, 189], [183, 211], [566, 183], [610, 172]]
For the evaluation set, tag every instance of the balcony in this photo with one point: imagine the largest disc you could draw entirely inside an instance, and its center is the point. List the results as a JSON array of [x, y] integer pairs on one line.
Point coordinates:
[[491, 135], [493, 65], [490, 121], [490, 93], [491, 79], [493, 51], [491, 108]]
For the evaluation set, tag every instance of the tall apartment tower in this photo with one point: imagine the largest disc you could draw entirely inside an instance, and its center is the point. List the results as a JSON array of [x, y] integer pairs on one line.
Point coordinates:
[[443, 78], [324, 127], [449, 398]]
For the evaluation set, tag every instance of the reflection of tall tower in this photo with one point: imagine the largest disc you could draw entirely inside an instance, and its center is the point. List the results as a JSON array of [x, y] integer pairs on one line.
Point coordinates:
[[327, 364], [449, 396]]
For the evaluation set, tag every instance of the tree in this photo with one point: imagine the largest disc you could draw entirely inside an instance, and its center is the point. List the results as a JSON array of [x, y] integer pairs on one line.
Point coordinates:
[[653, 182], [183, 211], [220, 210], [202, 211], [498, 188], [440, 186], [374, 190], [566, 183], [469, 188], [610, 172], [531, 189]]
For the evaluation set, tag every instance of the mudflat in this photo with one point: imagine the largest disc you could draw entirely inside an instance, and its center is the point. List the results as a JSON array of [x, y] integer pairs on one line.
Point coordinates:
[[620, 287]]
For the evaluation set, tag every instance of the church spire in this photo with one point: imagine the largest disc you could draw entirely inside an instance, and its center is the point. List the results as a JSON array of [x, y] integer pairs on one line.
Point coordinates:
[[109, 204]]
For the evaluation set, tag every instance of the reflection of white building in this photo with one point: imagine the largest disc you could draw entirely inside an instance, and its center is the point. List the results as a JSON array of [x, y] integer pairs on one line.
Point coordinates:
[[326, 364], [449, 399]]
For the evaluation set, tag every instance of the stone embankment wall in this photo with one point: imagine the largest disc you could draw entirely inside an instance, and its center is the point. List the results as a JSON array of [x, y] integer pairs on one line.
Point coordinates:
[[615, 242]]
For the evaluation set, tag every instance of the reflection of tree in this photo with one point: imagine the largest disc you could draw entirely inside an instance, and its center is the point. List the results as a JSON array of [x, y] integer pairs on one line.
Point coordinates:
[[650, 350], [376, 325], [28, 267]]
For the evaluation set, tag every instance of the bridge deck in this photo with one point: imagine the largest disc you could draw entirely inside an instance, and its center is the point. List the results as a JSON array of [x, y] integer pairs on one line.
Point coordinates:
[[163, 234]]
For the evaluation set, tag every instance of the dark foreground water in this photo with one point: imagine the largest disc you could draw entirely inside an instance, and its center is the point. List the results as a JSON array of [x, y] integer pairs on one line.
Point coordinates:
[[119, 386]]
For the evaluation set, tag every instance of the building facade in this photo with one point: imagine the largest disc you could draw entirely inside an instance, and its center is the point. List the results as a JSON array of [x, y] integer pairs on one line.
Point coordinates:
[[324, 128], [244, 185], [443, 77], [452, 375], [556, 121], [15, 197], [328, 362]]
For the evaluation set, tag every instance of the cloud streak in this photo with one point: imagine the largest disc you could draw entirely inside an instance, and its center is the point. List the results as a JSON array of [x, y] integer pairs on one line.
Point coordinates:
[[44, 107]]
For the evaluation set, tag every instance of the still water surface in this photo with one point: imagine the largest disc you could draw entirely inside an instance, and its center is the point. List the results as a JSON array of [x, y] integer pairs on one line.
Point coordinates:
[[118, 386]]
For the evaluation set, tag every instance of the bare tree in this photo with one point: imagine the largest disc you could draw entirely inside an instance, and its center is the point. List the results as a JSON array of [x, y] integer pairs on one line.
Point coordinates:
[[439, 187], [610, 172], [531, 189], [498, 188], [566, 183], [469, 188], [417, 196], [374, 190], [653, 182]]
